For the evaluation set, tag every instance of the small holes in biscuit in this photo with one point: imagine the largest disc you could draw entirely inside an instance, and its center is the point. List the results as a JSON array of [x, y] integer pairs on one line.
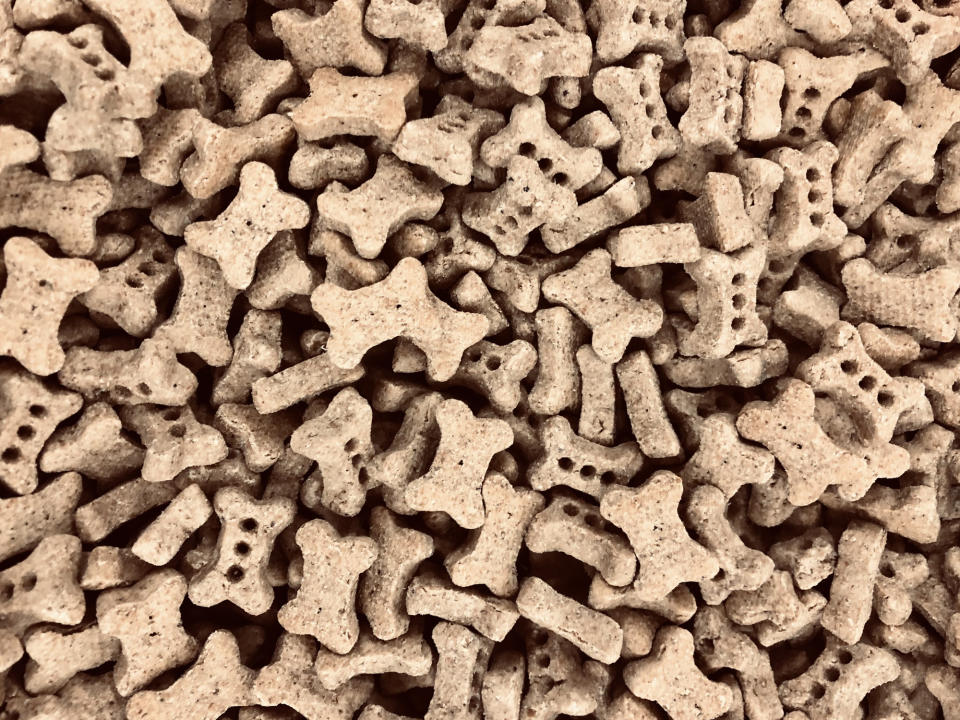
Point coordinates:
[[571, 510], [565, 463], [235, 573], [867, 382], [6, 591], [10, 455], [885, 398], [29, 582], [171, 414], [845, 657], [818, 691], [178, 431], [493, 363], [849, 366], [737, 323], [248, 524], [241, 548], [903, 15], [588, 471], [832, 674], [37, 411]]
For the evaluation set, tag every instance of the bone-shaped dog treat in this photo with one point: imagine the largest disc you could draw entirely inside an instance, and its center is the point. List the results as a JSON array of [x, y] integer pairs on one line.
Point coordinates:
[[164, 537], [388, 200], [314, 166], [900, 574], [575, 528], [26, 520], [30, 323], [742, 368], [101, 516], [27, 197], [489, 555], [557, 386], [502, 687], [670, 678], [918, 302], [525, 200], [720, 215], [470, 294], [167, 141], [776, 608], [199, 319], [456, 688], [526, 55], [652, 244], [128, 293], [448, 142], [333, 39], [323, 606], [110, 567], [762, 87], [611, 312], [238, 572], [406, 655], [632, 96], [618, 203], [581, 464], [651, 25], [528, 134], [648, 419], [719, 644], [810, 558], [344, 105], [597, 397], [741, 568], [837, 682], [19, 147], [221, 152], [724, 460], [666, 554], [174, 440], [260, 438], [43, 587], [256, 354], [216, 682], [56, 657], [496, 372], [712, 118], [31, 413], [453, 482], [255, 85], [430, 594], [146, 620], [354, 330], [238, 235], [420, 25], [678, 606], [382, 587], [299, 382], [851, 590]]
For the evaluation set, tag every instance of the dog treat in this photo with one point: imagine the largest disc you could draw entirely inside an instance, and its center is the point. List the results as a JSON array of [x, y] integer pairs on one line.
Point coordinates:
[[430, 594]]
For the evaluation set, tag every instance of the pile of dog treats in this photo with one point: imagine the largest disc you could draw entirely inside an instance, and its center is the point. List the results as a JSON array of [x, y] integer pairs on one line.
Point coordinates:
[[479, 359]]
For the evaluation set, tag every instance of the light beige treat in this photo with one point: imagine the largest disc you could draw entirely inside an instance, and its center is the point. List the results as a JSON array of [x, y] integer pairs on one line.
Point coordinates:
[[666, 554], [632, 97], [238, 570], [477, 14], [909, 36], [33, 303], [762, 87], [174, 440], [557, 386], [741, 567], [575, 528], [255, 85], [335, 39], [652, 244], [594, 129], [808, 310], [150, 374], [431, 594], [776, 608], [406, 655], [256, 354], [597, 397], [418, 25], [835, 685], [25, 521], [31, 413], [172, 215], [284, 277], [899, 576], [670, 678], [162, 539], [581, 464], [198, 323], [652, 25], [55, 657], [216, 682], [620, 202], [409, 453], [713, 115], [525, 56], [238, 235], [146, 620], [611, 312], [529, 134], [851, 591], [448, 142], [167, 141], [489, 555], [639, 629], [678, 606], [918, 302], [453, 482], [720, 216], [221, 153], [502, 687], [345, 105], [128, 293], [461, 662], [810, 558], [494, 371], [313, 165], [19, 147], [824, 20], [719, 644], [315, 375], [406, 287], [43, 586], [260, 438], [648, 419], [396, 193], [382, 587], [723, 460], [104, 514], [470, 294], [518, 281], [525, 200], [344, 266], [910, 512], [741, 368]]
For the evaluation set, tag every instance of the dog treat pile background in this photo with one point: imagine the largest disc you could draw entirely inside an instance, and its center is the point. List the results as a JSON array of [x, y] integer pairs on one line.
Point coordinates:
[[479, 359]]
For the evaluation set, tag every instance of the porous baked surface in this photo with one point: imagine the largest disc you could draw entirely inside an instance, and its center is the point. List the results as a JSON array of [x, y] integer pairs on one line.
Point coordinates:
[[479, 359]]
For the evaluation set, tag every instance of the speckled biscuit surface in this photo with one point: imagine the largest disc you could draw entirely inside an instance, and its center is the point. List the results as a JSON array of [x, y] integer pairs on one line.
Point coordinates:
[[479, 359]]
